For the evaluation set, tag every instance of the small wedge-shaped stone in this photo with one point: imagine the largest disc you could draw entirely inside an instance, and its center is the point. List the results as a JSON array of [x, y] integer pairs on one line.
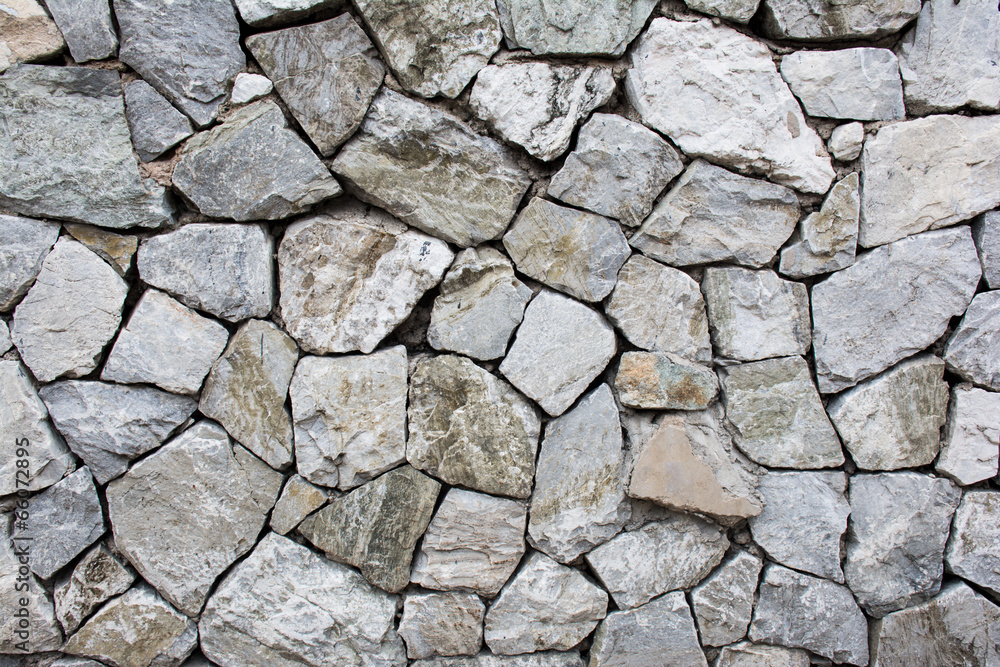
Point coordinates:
[[224, 269], [986, 234], [846, 141], [537, 105], [349, 416], [375, 527], [970, 449], [74, 308], [723, 602], [24, 244], [827, 240], [27, 33], [714, 215], [285, 606], [99, 576], [108, 425], [269, 13], [87, 27], [252, 167], [659, 633], [185, 513], [245, 391], [800, 611], [442, 624], [861, 84], [561, 346], [350, 276], [155, 124], [974, 546], [545, 606], [298, 500], [661, 556], [892, 303], [474, 542], [166, 344], [743, 116], [746, 654], [896, 540], [660, 381], [115, 249], [486, 659], [817, 20], [973, 351], [573, 28], [327, 74], [138, 629], [573, 251], [470, 428]]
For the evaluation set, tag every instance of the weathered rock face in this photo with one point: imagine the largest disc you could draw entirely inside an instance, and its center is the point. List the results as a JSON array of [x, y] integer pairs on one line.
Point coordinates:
[[861, 83], [545, 606], [972, 350], [442, 624], [298, 500], [893, 302], [375, 527], [115, 249], [746, 654], [827, 240], [573, 28], [268, 13], [537, 105], [327, 74], [973, 552], [815, 21], [661, 632], [252, 167], [98, 577], [896, 540], [71, 312], [24, 244], [188, 50], [42, 628], [659, 381], [87, 27], [178, 550], [485, 659], [846, 141], [279, 607], [723, 602], [434, 48], [742, 116], [28, 34], [156, 126], [249, 87], [970, 449], [5, 342], [573, 251], [986, 234]]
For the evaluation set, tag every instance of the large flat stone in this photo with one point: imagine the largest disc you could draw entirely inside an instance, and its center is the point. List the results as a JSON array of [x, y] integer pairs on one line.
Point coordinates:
[[826, 240], [659, 633], [815, 20], [723, 602], [746, 654], [155, 124], [573, 28], [970, 447], [87, 27], [972, 351], [660, 381], [99, 576], [974, 544], [442, 624], [860, 84], [24, 244]]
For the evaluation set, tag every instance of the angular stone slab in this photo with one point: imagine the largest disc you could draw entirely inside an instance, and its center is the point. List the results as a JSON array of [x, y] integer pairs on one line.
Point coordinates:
[[986, 234], [846, 141], [87, 27], [99, 576], [156, 126], [970, 448], [575, 28], [659, 381], [746, 654], [740, 11], [723, 602], [827, 240], [860, 84], [973, 350], [442, 624], [24, 244], [115, 249], [974, 545], [298, 500], [661, 632], [28, 34], [814, 20], [269, 13]]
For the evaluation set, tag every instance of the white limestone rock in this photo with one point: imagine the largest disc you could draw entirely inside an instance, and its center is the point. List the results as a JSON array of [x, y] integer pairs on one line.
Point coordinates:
[[269, 13], [573, 28], [298, 500], [860, 84], [973, 351], [974, 545], [970, 448], [659, 633], [815, 20], [746, 654], [24, 244], [442, 624], [986, 234], [827, 240], [248, 87], [99, 576], [662, 381], [723, 602], [155, 125], [846, 142]]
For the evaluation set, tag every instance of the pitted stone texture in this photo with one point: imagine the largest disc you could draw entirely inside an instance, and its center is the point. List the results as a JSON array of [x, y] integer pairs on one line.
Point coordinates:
[[660, 381], [74, 308], [928, 173], [29, 594], [156, 126], [573, 28], [350, 276], [617, 170], [87, 27], [327, 74], [442, 624], [269, 13], [846, 141], [108, 425], [298, 500], [433, 48], [375, 527], [755, 314], [474, 542], [188, 50], [746, 654], [484, 659], [245, 391], [740, 11], [573, 251], [805, 516], [166, 344], [252, 167], [896, 540], [349, 416], [893, 302], [579, 497], [559, 349], [970, 449], [24, 244], [470, 428], [249, 87], [115, 249], [974, 546], [282, 606], [480, 304], [815, 20], [659, 633], [99, 576], [827, 240], [184, 514], [861, 83], [800, 611], [723, 602], [986, 234], [714, 215], [894, 420], [730, 105], [545, 606], [27, 33], [973, 351], [777, 415], [537, 105]]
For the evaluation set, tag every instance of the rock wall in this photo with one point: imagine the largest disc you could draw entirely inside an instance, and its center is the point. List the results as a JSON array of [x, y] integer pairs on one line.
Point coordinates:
[[500, 333]]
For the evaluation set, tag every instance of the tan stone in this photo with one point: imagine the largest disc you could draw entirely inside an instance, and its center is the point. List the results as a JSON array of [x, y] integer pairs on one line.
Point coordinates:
[[27, 33], [115, 249]]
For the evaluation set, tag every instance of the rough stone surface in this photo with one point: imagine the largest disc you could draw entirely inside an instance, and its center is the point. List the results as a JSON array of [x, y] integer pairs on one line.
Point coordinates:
[[893, 302], [545, 606], [731, 106], [349, 277], [659, 633], [740, 11], [252, 167], [973, 351], [468, 427], [269, 13], [327, 74], [349, 416], [800, 611], [43, 629], [166, 344], [27, 33], [432, 171], [5, 342], [660, 381], [99, 576], [896, 540], [24, 244], [86, 26], [375, 527], [860, 84], [156, 126], [71, 312], [484, 659], [543, 366], [846, 141], [573, 251], [537, 105], [115, 249], [108, 425], [970, 448], [188, 50], [894, 420], [723, 602], [442, 624], [973, 551], [249, 87], [827, 240], [573, 28], [986, 234], [245, 391], [280, 607], [746, 654], [815, 20], [754, 314], [298, 500], [183, 515], [474, 542]]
